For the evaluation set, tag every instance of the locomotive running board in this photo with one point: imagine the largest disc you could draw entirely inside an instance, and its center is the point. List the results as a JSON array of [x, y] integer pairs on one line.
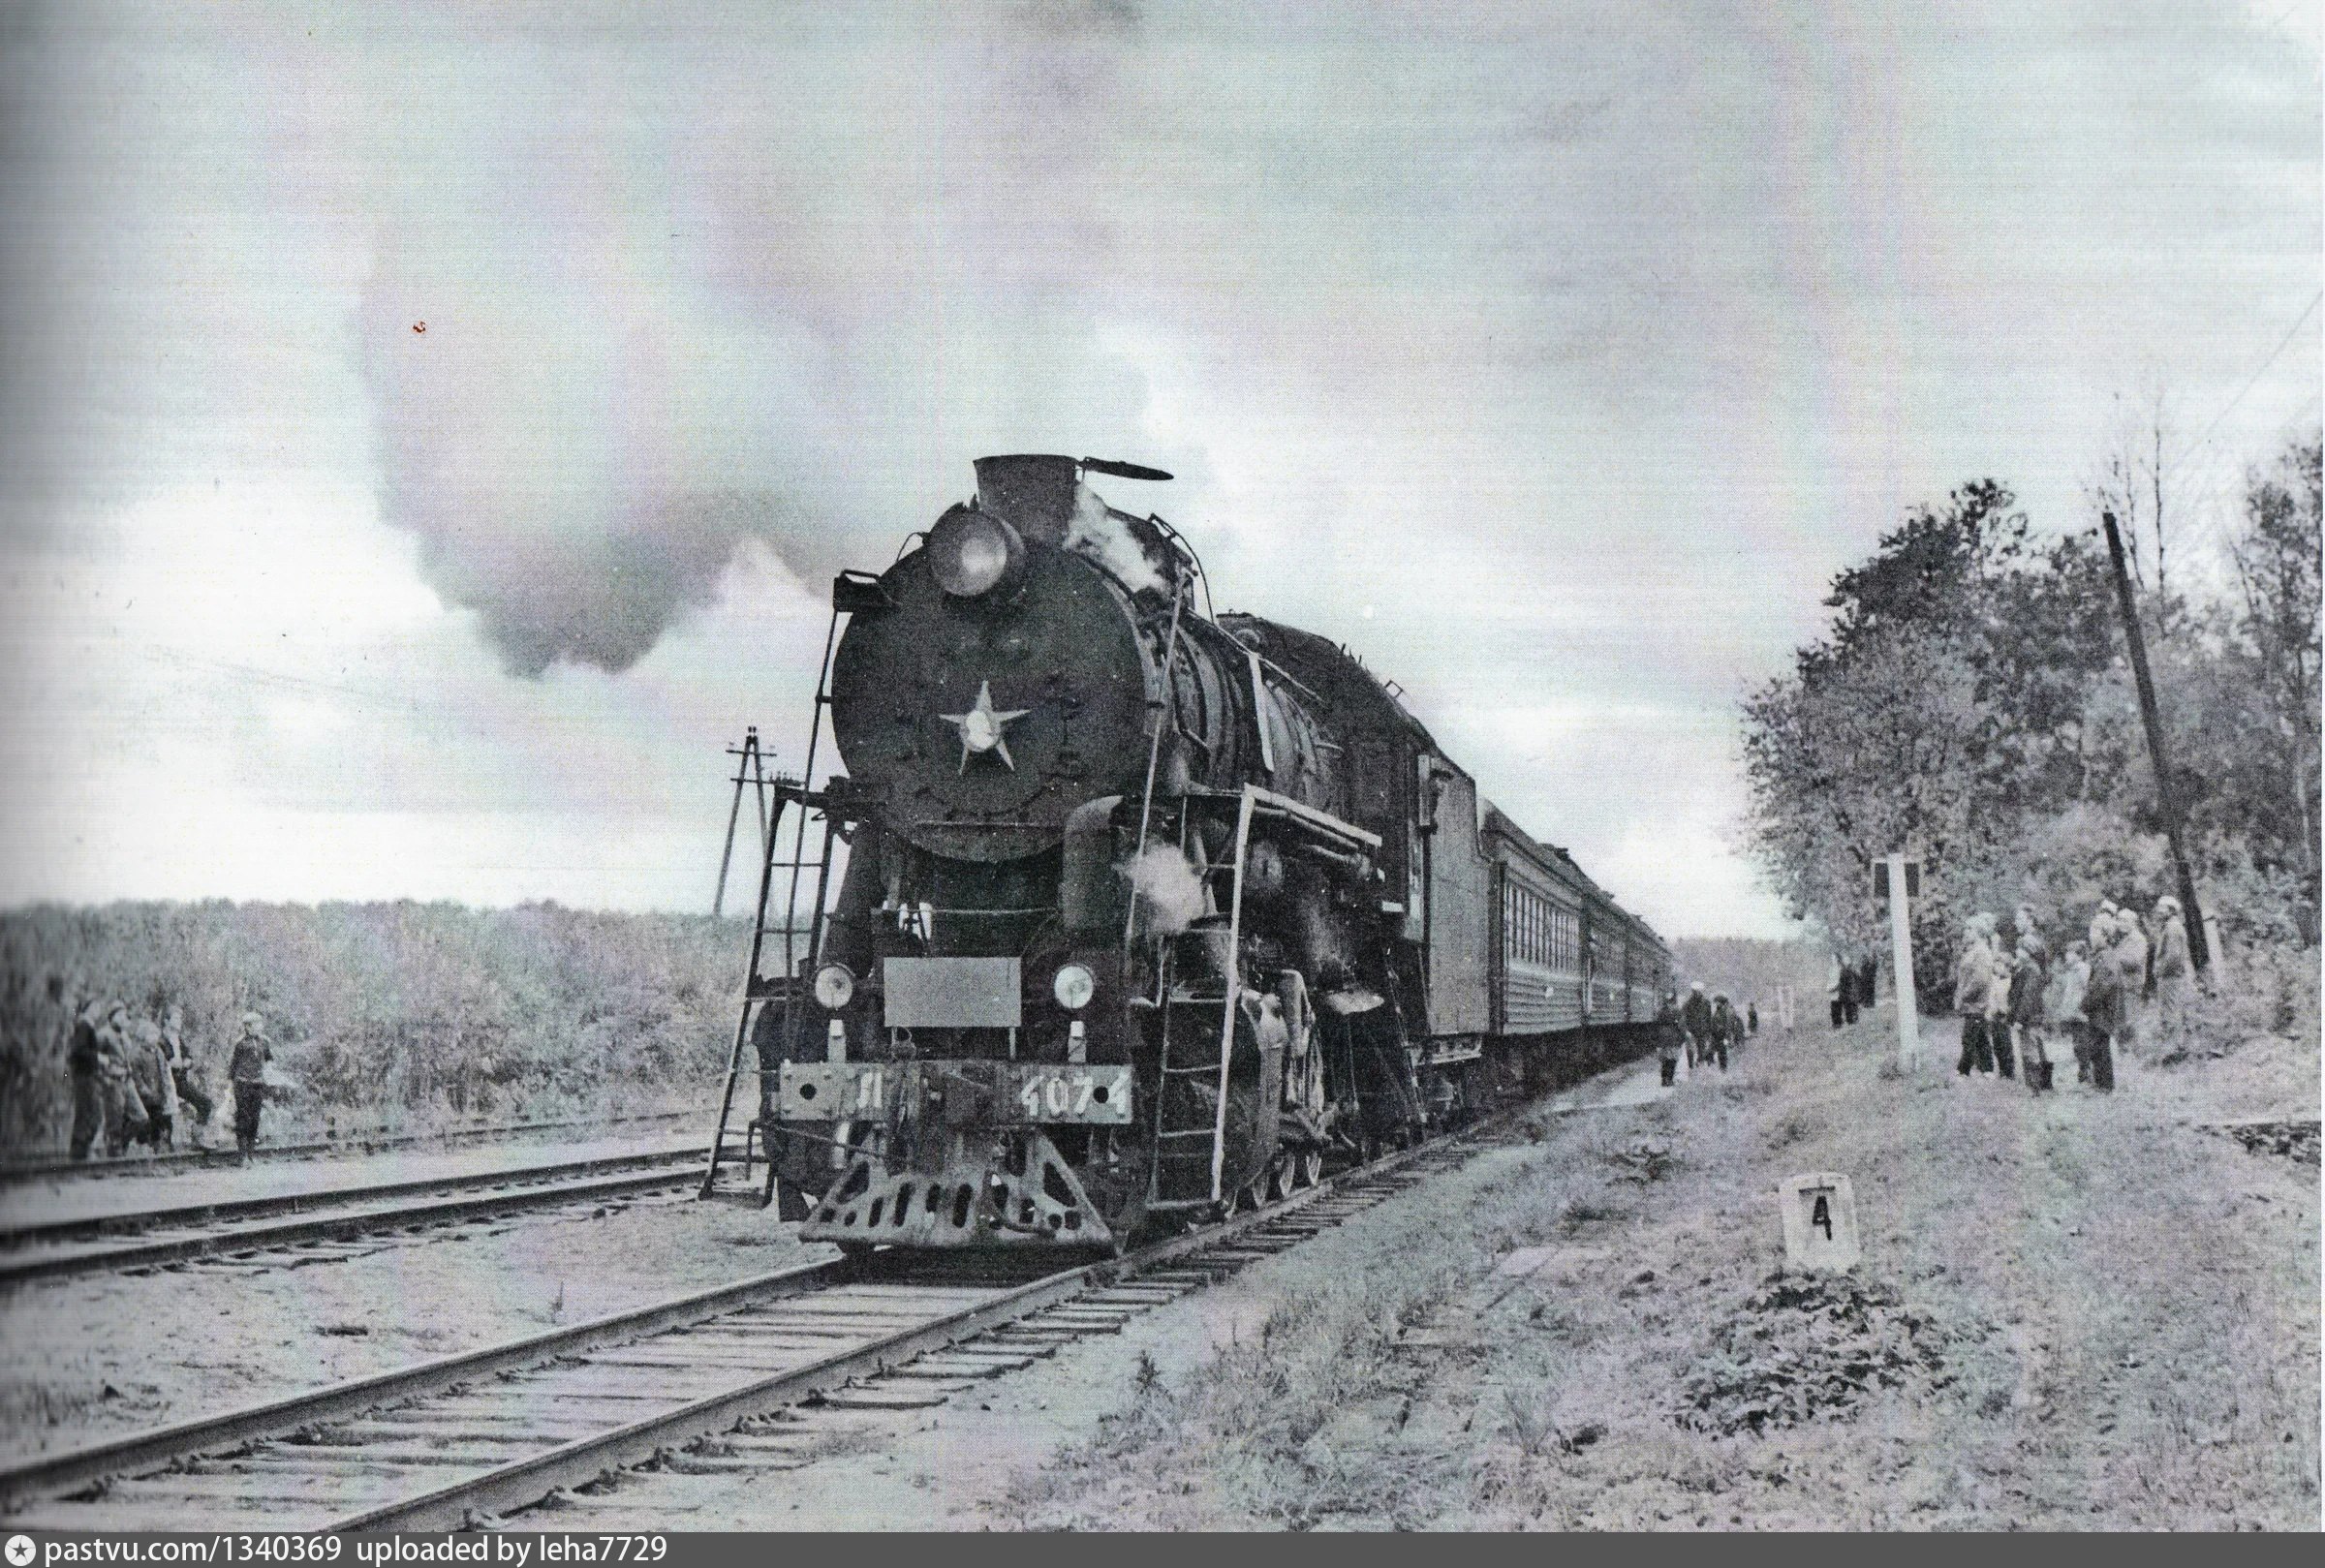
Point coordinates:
[[1268, 803]]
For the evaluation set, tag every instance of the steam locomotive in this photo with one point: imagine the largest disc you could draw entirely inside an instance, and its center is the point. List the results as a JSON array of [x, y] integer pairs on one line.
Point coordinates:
[[1145, 912]]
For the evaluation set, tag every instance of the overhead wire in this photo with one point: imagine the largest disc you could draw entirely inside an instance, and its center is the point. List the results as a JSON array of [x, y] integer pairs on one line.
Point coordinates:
[[2211, 526], [2283, 344]]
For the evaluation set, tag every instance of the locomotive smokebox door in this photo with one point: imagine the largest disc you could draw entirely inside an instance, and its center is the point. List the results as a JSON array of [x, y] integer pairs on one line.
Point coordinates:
[[975, 726]]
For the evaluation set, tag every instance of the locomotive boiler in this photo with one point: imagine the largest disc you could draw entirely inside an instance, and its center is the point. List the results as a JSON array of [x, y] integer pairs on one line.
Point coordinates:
[[1142, 912]]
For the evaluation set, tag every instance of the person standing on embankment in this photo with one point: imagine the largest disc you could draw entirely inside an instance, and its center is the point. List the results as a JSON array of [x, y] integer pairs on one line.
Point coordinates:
[[2062, 1004], [1697, 1019], [185, 1074], [1974, 996], [2026, 985], [248, 1069], [1726, 1026], [84, 1063], [2104, 1004], [2130, 951], [2172, 971]]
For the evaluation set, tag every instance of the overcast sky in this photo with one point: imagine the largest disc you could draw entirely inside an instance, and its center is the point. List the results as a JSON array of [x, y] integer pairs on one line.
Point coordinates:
[[1554, 358]]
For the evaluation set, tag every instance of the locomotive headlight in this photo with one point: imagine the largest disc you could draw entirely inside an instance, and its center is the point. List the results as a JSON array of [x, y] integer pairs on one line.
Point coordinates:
[[1074, 987], [974, 552], [835, 986]]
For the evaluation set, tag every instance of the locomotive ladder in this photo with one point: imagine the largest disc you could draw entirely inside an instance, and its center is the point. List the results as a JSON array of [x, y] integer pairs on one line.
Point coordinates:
[[1195, 1140], [811, 818], [1190, 1136]]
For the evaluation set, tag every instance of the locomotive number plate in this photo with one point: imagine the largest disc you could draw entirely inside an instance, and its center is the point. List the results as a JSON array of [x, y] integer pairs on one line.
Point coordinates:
[[964, 1093], [835, 1091], [1099, 1095]]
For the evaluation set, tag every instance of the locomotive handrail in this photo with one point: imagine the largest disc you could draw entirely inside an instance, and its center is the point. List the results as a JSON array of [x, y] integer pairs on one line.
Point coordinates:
[[1285, 675], [983, 824], [970, 909], [1165, 712], [1227, 1025], [1210, 610]]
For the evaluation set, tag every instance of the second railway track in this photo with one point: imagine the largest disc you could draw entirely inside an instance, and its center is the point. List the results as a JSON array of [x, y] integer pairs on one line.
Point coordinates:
[[54, 1167], [287, 1229], [725, 1379]]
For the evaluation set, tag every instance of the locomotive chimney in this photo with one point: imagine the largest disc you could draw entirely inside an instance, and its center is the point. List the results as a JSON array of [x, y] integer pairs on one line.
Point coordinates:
[[1033, 492]]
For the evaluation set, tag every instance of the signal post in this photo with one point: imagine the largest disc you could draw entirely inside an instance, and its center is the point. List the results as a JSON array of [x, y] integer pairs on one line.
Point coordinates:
[[1899, 881]]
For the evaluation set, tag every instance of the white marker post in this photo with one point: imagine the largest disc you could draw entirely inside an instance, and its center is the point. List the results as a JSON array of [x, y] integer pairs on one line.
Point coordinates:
[[1821, 1221], [1904, 878]]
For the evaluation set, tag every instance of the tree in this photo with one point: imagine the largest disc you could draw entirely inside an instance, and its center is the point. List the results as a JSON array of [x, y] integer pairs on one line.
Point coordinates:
[[1944, 705], [1857, 755], [2135, 481], [2276, 556], [1972, 702]]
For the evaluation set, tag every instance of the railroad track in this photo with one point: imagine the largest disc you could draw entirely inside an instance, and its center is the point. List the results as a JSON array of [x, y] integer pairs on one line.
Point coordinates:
[[287, 1230], [737, 1378], [368, 1143]]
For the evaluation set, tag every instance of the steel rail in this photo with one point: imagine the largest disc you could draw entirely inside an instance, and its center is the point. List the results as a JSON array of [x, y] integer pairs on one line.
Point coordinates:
[[121, 1220], [349, 1221], [528, 1480], [367, 1143], [147, 1451]]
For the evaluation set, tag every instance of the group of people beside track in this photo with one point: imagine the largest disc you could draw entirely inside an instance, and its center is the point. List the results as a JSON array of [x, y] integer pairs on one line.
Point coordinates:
[[134, 1081], [1702, 1028], [2014, 997], [1850, 984]]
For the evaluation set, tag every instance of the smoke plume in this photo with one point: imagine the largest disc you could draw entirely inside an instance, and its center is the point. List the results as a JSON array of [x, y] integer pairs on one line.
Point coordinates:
[[1096, 532], [600, 361], [601, 599], [1173, 890]]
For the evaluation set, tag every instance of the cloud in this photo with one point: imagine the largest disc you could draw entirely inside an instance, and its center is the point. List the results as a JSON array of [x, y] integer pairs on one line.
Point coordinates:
[[1578, 345]]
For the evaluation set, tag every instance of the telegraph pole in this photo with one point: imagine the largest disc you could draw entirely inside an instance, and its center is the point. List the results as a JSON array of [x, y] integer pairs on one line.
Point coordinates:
[[2167, 785], [748, 770]]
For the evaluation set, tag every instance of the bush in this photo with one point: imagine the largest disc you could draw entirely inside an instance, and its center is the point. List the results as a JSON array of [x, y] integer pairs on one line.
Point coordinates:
[[2250, 992], [385, 1013]]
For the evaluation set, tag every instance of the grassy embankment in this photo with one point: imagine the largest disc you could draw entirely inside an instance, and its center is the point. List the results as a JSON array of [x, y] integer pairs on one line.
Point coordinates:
[[2074, 1312]]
